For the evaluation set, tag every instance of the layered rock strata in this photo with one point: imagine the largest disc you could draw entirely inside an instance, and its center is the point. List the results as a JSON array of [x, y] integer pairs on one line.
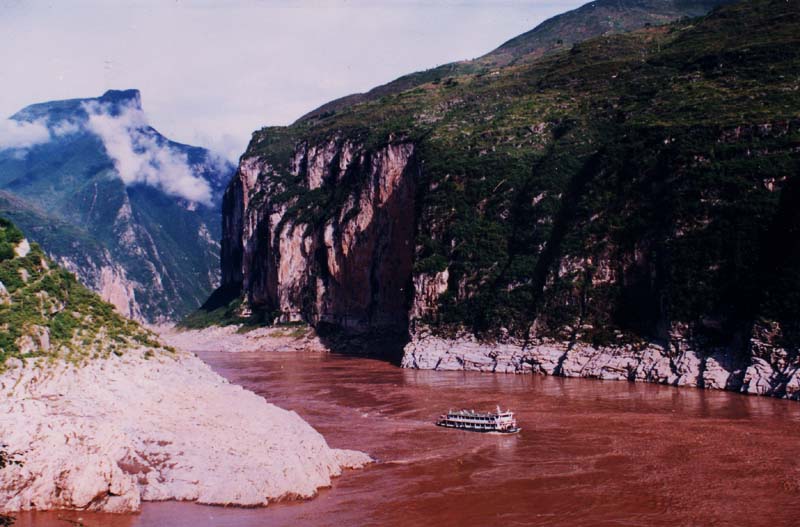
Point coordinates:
[[775, 374], [342, 265]]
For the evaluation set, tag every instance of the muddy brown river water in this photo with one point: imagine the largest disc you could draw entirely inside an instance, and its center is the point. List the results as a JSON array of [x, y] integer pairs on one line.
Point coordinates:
[[591, 453]]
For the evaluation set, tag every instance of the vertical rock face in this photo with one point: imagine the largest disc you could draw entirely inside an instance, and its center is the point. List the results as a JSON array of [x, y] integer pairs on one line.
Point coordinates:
[[347, 265]]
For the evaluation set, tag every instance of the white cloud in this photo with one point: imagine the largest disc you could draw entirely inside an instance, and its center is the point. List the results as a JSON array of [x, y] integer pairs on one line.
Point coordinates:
[[22, 134], [139, 158], [225, 145], [64, 128]]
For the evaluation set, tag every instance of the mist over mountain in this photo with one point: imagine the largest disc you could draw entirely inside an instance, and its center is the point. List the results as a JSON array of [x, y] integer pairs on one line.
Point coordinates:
[[133, 214]]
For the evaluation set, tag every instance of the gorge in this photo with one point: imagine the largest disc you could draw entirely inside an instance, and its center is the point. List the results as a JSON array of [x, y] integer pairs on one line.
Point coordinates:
[[613, 195]]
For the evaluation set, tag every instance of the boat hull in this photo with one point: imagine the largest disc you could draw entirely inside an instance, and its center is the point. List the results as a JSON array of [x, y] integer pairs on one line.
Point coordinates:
[[514, 430]]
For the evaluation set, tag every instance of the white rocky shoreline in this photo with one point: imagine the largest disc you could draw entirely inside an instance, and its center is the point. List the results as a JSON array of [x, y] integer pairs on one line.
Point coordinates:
[[114, 432], [232, 339], [777, 375], [773, 372]]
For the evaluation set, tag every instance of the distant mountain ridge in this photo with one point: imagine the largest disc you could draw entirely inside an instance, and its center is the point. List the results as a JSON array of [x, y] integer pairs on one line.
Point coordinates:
[[602, 17], [132, 213]]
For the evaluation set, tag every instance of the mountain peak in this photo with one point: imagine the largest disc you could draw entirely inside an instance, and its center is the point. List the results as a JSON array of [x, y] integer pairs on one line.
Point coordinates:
[[122, 96], [54, 111], [116, 99]]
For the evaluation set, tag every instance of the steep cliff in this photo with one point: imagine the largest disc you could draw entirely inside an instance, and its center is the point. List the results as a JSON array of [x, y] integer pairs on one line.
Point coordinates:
[[298, 236], [635, 192], [131, 213]]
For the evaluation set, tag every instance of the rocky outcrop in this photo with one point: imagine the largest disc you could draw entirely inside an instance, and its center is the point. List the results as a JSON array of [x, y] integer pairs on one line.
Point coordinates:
[[347, 263], [231, 339], [112, 433], [22, 249], [675, 365], [108, 279]]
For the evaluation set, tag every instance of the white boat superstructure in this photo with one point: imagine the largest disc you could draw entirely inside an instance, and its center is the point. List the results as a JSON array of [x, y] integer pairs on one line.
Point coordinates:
[[498, 421]]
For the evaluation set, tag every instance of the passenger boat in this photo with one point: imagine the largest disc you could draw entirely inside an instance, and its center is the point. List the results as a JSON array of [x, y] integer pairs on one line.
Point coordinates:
[[497, 422]]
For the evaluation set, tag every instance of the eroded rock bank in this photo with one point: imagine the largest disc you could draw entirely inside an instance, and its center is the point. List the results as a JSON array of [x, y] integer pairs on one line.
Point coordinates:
[[775, 373], [234, 339], [114, 432]]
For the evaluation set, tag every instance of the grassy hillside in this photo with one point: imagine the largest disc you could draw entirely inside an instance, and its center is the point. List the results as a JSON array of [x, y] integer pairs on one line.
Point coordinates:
[[45, 312], [601, 17]]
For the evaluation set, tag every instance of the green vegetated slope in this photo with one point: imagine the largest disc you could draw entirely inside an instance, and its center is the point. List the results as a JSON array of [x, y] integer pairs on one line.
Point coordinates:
[[45, 312], [602, 17], [58, 236], [645, 181]]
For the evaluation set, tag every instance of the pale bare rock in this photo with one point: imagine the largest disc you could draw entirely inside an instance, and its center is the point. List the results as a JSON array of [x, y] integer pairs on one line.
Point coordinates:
[[5, 298], [427, 290], [116, 289], [230, 339], [23, 248], [108, 279], [758, 379], [113, 432], [678, 365]]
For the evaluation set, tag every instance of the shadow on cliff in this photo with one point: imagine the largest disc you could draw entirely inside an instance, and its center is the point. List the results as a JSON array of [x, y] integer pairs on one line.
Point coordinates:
[[383, 345], [368, 293]]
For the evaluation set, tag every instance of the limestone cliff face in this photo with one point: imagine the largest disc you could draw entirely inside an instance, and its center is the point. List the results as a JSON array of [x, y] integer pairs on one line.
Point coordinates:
[[330, 235], [348, 266]]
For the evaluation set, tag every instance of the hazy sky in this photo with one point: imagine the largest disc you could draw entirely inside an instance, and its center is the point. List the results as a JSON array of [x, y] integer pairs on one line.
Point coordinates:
[[211, 73]]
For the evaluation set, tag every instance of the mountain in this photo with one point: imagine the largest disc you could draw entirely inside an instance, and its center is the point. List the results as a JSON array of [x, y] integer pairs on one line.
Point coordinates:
[[626, 209], [133, 214], [602, 17]]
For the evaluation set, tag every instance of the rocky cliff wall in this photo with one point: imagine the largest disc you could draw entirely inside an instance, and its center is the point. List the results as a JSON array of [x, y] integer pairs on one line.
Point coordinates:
[[614, 210], [347, 265]]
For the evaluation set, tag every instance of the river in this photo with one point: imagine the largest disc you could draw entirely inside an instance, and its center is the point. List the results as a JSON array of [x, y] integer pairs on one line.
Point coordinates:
[[596, 453]]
